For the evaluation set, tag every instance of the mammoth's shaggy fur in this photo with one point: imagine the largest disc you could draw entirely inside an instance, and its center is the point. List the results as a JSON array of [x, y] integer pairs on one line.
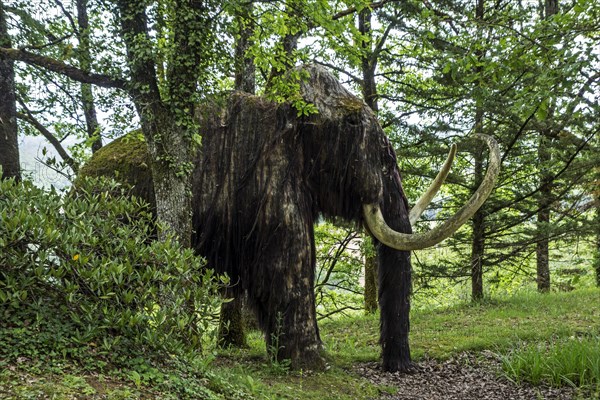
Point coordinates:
[[263, 178]]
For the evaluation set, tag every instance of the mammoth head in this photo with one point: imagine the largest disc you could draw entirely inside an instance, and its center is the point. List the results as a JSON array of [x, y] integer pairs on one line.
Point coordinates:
[[348, 154], [353, 168]]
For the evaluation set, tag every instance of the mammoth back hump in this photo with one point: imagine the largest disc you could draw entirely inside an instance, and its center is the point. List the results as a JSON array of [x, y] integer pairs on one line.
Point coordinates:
[[127, 161], [250, 159]]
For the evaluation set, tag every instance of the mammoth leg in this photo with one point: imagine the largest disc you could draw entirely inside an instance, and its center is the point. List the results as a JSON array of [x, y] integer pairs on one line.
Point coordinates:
[[283, 291]]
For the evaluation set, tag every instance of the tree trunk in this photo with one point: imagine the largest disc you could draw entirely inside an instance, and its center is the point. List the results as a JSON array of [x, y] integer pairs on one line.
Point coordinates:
[[478, 240], [368, 61], [168, 127], [542, 251], [245, 70], [597, 230], [87, 94], [597, 255], [289, 44], [9, 146], [172, 183], [231, 324], [550, 8], [369, 92], [543, 215]]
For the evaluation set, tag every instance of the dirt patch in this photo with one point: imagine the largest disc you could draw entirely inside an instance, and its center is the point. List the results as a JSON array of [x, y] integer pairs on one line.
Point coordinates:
[[464, 377]]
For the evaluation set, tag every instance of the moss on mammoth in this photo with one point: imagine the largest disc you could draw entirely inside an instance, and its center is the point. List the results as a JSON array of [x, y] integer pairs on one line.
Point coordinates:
[[127, 161]]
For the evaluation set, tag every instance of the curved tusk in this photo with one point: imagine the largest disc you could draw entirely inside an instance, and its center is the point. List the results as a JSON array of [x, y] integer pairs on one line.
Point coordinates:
[[416, 241], [425, 199]]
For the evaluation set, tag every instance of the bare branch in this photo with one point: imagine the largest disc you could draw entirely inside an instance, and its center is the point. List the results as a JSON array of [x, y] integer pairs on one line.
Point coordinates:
[[63, 69], [52, 167], [381, 42], [29, 118], [52, 42], [340, 70], [352, 10], [68, 15], [336, 311]]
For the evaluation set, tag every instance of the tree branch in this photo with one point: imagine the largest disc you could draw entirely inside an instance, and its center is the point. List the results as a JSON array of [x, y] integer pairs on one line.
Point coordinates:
[[352, 10], [29, 118], [64, 69], [67, 15], [337, 310], [563, 170], [134, 32], [381, 42], [340, 70]]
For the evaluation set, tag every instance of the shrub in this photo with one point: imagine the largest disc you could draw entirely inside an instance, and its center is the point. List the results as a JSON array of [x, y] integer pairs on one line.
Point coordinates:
[[87, 262]]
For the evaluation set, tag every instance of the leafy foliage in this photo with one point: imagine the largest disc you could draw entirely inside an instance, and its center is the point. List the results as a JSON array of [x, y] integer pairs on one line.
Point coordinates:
[[83, 268]]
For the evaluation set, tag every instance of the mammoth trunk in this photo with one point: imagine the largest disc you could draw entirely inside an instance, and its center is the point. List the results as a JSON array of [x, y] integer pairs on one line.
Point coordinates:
[[395, 282]]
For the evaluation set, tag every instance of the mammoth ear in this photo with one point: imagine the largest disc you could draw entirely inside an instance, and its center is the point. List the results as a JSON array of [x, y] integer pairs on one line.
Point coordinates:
[[425, 199]]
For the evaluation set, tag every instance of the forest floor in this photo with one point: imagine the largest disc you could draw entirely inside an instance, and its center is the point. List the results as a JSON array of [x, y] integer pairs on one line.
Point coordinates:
[[464, 377], [460, 352]]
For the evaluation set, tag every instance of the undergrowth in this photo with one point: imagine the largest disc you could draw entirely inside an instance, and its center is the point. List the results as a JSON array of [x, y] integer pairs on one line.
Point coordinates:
[[574, 361], [504, 326], [112, 319], [86, 290]]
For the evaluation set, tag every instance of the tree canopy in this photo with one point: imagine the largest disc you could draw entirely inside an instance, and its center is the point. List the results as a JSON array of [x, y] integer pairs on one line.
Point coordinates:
[[525, 72]]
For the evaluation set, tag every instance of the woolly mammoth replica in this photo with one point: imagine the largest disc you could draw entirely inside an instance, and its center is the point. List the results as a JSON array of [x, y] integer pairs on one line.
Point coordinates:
[[263, 178]]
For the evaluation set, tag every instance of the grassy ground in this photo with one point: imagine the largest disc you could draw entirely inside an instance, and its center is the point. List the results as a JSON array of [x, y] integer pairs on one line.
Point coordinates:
[[496, 325], [502, 326]]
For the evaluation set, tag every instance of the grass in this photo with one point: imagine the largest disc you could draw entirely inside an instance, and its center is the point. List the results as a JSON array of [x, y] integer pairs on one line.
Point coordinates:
[[565, 362], [496, 325], [16, 384], [539, 337], [502, 324]]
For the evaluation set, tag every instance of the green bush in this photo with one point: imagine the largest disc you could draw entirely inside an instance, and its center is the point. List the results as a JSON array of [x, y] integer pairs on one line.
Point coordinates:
[[83, 268]]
